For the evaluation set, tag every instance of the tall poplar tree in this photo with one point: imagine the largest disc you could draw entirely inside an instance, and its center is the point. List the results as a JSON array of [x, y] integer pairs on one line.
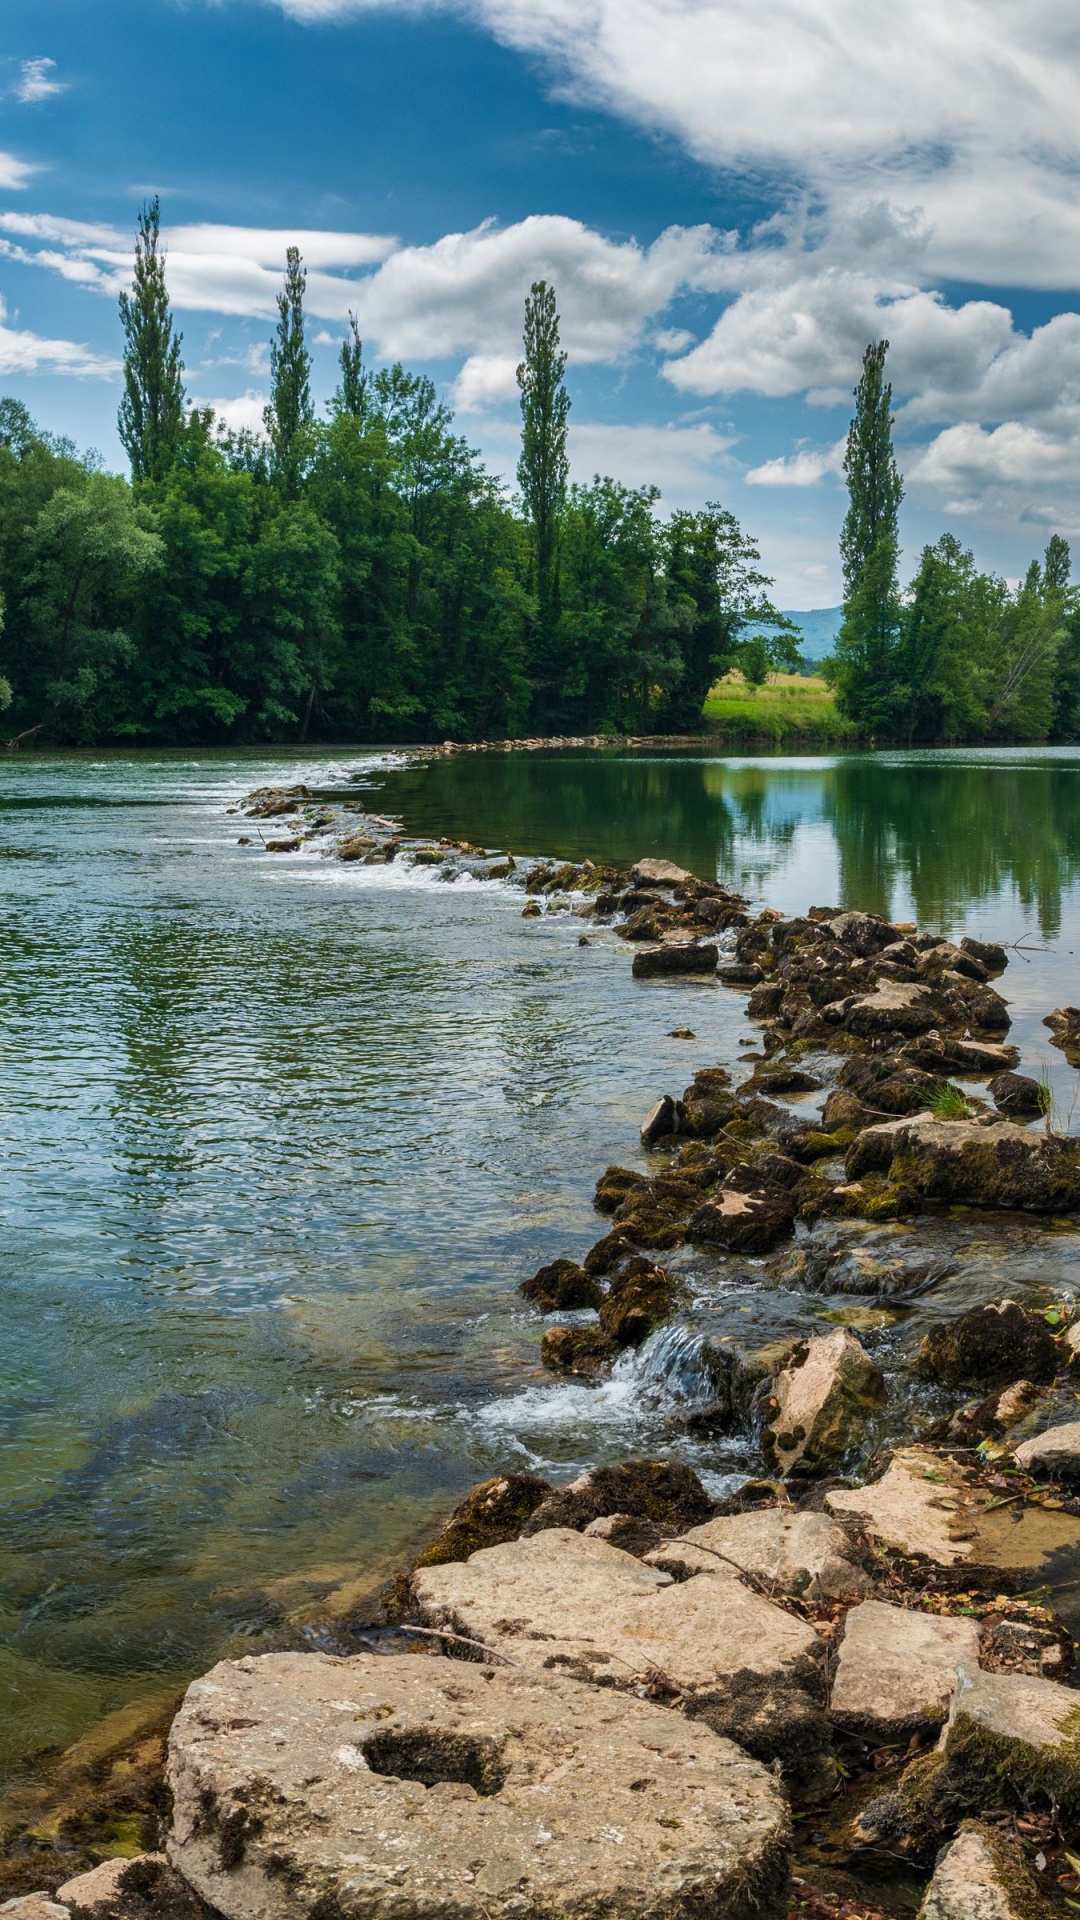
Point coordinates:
[[152, 410], [290, 416], [352, 394], [543, 468], [866, 649]]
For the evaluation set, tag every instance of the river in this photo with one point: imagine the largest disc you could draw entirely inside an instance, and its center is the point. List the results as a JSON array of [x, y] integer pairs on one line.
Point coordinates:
[[281, 1136]]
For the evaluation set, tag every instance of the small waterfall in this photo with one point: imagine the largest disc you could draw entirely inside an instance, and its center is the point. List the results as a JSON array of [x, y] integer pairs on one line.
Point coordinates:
[[675, 1364]]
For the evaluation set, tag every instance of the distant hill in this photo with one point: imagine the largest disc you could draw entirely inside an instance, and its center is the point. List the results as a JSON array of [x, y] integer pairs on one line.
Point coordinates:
[[819, 627]]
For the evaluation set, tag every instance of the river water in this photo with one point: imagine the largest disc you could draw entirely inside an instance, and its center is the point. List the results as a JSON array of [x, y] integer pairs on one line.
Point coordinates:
[[281, 1136]]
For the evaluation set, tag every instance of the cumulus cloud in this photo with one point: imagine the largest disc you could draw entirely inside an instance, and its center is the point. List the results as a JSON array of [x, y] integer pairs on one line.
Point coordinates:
[[14, 174], [35, 81], [802, 469], [680, 460], [24, 352], [242, 414]]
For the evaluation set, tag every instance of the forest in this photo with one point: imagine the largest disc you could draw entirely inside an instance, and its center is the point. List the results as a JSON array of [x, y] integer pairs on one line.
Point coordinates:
[[359, 576]]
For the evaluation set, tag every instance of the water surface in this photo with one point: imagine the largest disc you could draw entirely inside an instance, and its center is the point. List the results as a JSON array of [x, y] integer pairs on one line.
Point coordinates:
[[280, 1137]]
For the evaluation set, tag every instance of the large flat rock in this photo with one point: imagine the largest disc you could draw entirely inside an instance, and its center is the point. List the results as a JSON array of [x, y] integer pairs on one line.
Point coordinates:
[[965, 1161], [978, 1877], [561, 1600], [927, 1506], [897, 1670], [801, 1553], [409, 1788]]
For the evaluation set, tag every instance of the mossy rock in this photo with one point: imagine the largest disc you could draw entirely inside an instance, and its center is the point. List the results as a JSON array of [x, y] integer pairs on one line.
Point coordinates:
[[577, 1350], [562, 1287], [640, 1299], [990, 1346], [664, 1491], [494, 1511]]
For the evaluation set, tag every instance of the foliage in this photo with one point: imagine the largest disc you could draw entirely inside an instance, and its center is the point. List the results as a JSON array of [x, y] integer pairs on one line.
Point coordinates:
[[543, 468], [869, 551], [152, 409], [290, 416]]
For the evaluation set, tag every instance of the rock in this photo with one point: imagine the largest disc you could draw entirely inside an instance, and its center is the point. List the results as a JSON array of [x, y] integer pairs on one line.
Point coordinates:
[[980, 1877], [818, 1410], [640, 1298], [495, 1510], [933, 1054], [560, 1287], [531, 910], [1024, 1645], [862, 933], [682, 1033], [926, 1506], [658, 873], [664, 1118], [663, 1491], [613, 1186], [806, 1554], [1016, 1093], [355, 847], [890, 1008], [689, 956], [626, 1531], [990, 1346], [736, 975], [787, 1080], [971, 1163], [580, 1350], [897, 1669], [1054, 1454], [1064, 1023], [744, 1222], [775, 1722], [557, 1599], [399, 1789], [766, 1001], [34, 1906], [994, 958], [110, 1884], [1011, 1738]]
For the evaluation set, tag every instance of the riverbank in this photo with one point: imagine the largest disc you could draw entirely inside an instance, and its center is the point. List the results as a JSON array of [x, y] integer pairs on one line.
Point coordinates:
[[701, 1160]]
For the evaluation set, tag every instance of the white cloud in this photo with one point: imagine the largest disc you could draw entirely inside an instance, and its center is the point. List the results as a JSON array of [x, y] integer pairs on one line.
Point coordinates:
[[802, 469], [684, 462], [1014, 470], [486, 380], [35, 82], [24, 352], [14, 174], [244, 413]]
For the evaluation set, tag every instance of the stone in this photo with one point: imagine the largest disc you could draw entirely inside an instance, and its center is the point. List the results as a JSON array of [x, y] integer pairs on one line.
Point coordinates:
[[688, 956], [1010, 1737], [925, 1506], [990, 1346], [891, 1008], [658, 873], [805, 1554], [531, 910], [639, 1299], [559, 1600], [625, 1530], [106, 1882], [896, 1672], [34, 1906], [1016, 1093], [787, 1080], [934, 1054], [307, 1786], [779, 1724], [664, 1118], [994, 958], [663, 1491], [1055, 1453], [734, 974], [578, 1350], [561, 1287], [973, 1164], [980, 1877], [744, 1222], [495, 1510], [818, 1409]]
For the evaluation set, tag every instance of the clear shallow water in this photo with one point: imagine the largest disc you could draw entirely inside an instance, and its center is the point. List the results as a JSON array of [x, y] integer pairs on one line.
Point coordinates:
[[280, 1137]]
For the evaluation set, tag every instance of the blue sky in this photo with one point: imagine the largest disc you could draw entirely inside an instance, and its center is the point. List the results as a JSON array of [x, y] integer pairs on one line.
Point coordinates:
[[731, 197]]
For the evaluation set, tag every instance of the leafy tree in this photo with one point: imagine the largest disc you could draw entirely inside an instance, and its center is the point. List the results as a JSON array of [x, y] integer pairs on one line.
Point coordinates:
[[152, 409], [869, 549], [88, 548], [543, 469], [352, 395], [290, 416], [715, 569]]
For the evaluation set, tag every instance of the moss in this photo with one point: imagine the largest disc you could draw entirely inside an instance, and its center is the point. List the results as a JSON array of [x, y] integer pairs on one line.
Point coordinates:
[[580, 1350], [640, 1299], [660, 1490], [984, 1769], [562, 1287], [613, 1186], [493, 1512]]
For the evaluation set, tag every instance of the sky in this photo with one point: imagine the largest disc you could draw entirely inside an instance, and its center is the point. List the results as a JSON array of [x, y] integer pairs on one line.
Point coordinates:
[[731, 198]]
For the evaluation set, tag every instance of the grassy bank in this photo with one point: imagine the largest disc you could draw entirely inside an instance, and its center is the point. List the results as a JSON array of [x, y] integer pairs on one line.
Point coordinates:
[[790, 710]]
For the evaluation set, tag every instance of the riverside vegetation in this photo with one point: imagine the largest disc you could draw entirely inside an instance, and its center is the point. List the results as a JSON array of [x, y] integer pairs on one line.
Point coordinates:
[[360, 576], [623, 1694]]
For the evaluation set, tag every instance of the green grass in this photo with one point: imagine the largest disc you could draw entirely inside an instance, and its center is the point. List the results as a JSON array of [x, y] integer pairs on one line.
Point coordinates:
[[948, 1103], [790, 709]]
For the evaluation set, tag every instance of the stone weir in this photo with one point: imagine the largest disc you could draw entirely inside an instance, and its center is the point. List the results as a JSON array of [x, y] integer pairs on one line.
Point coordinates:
[[841, 1692]]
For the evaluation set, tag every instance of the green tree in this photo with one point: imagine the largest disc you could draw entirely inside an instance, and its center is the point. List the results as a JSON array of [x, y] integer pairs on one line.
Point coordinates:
[[88, 550], [152, 410], [866, 647], [290, 416], [715, 569], [543, 468], [352, 394]]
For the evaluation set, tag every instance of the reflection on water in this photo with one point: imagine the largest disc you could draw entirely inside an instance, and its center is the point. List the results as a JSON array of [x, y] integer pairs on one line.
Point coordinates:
[[281, 1136]]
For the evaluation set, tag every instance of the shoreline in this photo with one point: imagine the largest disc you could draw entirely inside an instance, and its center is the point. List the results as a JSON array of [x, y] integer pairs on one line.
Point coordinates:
[[717, 1152]]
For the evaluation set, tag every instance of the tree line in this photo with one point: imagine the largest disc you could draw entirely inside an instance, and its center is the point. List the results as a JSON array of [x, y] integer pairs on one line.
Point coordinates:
[[354, 575], [959, 654]]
